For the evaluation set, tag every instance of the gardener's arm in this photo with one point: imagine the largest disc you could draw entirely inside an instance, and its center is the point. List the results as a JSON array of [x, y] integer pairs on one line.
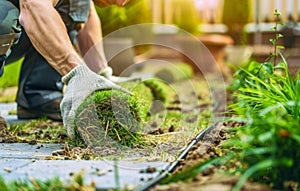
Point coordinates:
[[90, 43], [48, 34], [90, 37]]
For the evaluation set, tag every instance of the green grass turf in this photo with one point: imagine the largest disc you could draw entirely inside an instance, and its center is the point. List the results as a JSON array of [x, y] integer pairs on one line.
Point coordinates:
[[119, 116]]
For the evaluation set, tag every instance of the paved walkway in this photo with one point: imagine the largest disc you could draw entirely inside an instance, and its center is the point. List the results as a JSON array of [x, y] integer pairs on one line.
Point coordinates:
[[20, 161]]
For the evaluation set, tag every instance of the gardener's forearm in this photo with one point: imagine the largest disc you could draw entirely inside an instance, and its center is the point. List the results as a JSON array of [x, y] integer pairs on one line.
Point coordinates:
[[48, 34], [90, 42]]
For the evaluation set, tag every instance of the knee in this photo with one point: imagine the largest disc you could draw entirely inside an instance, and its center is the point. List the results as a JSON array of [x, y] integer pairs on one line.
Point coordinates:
[[9, 16]]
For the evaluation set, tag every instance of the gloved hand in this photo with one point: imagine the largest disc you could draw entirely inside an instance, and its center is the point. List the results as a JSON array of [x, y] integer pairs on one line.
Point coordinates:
[[108, 74], [81, 82]]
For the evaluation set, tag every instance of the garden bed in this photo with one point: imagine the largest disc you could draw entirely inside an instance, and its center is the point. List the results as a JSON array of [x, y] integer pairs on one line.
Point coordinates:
[[189, 173], [259, 143], [206, 165]]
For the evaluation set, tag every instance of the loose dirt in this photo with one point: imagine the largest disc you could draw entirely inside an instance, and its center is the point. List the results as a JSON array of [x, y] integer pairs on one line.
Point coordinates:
[[211, 178]]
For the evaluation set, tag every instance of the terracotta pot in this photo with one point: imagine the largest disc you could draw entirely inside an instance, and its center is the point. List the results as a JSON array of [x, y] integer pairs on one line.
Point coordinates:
[[208, 51]]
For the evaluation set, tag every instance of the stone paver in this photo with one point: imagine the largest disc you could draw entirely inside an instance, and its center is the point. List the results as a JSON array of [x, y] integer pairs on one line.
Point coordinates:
[[5, 108], [103, 173], [9, 164], [20, 161], [26, 151]]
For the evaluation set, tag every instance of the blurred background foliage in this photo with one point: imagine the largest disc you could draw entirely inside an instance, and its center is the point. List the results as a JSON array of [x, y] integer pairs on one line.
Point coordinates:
[[185, 15], [135, 12], [236, 14], [115, 17]]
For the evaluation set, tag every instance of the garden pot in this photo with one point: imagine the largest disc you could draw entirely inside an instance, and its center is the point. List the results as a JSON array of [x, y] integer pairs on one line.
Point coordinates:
[[207, 51]]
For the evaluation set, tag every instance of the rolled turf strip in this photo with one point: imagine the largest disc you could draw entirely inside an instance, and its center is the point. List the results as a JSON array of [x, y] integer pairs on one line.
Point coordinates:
[[110, 116]]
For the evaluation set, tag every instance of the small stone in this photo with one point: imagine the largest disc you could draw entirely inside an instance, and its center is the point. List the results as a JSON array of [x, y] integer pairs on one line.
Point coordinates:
[[100, 173], [7, 169], [32, 142], [150, 170]]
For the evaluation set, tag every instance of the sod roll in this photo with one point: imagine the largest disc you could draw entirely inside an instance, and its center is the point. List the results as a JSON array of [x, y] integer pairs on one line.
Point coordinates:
[[116, 117]]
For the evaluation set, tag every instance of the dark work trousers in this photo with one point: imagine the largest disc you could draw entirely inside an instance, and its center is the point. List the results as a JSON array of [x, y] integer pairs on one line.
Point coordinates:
[[39, 83]]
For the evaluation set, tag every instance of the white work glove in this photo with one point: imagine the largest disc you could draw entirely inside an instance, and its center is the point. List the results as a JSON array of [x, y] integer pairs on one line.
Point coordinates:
[[108, 74], [81, 82]]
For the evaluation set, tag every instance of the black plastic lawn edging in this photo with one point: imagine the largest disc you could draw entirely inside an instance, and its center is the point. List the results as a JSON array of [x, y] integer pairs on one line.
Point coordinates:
[[174, 164]]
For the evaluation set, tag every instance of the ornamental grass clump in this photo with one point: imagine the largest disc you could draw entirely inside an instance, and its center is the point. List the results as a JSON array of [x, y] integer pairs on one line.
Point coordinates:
[[267, 147], [268, 102], [76, 182]]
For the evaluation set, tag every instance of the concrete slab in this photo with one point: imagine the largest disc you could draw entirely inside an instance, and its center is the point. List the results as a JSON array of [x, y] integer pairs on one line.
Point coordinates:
[[5, 109], [8, 165], [20, 161], [26, 151]]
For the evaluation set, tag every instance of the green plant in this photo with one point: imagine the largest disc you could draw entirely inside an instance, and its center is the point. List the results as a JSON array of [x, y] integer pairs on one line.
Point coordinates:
[[266, 84], [264, 87], [278, 35], [268, 102], [267, 146], [76, 183]]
